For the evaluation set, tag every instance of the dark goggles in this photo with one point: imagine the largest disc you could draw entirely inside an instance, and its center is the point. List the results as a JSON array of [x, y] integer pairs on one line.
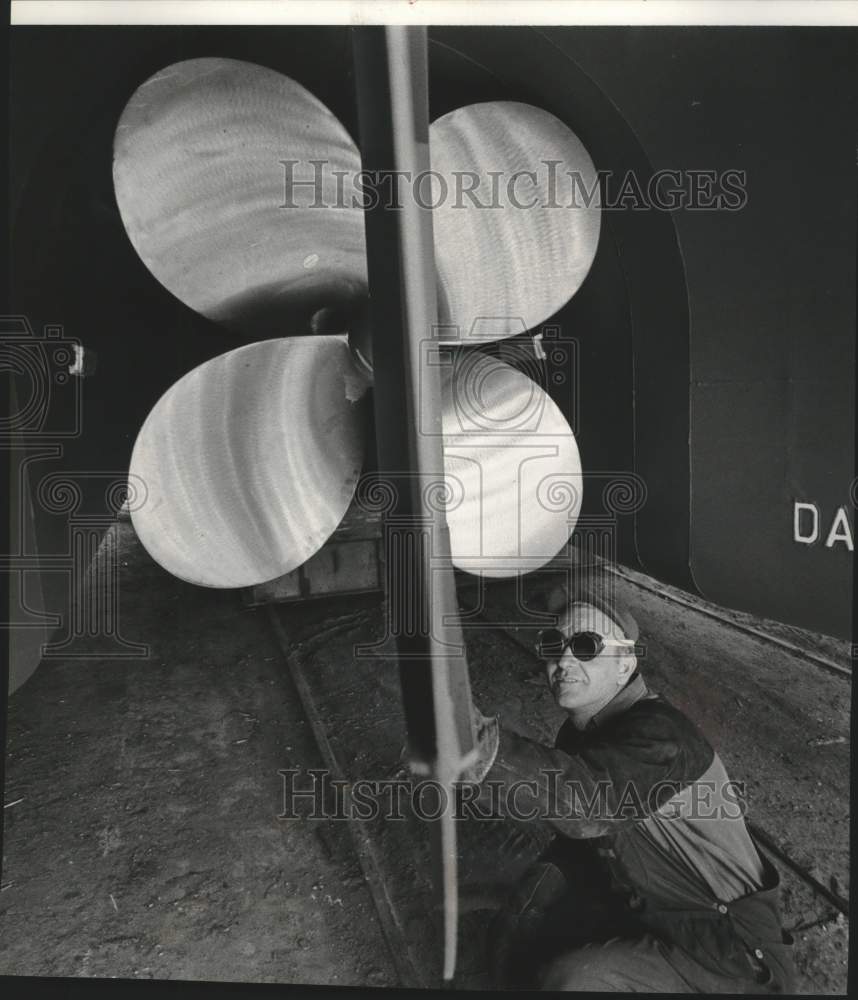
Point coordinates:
[[551, 644]]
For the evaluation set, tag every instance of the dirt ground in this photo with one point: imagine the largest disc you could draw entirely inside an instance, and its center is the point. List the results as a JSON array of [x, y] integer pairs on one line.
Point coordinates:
[[146, 842]]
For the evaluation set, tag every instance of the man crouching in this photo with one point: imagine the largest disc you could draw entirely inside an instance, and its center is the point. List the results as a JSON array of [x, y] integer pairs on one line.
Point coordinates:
[[652, 882]]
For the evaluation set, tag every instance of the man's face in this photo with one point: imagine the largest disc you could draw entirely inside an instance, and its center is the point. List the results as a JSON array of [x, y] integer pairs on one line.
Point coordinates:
[[577, 684]]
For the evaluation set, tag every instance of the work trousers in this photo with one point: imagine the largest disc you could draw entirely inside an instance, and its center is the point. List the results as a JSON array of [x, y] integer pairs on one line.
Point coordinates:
[[569, 931], [648, 964]]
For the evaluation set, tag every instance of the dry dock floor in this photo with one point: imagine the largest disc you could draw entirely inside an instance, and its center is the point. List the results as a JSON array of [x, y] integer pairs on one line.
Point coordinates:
[[144, 828]]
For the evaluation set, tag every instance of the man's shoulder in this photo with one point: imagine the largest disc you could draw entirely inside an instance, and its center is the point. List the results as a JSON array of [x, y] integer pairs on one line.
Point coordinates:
[[652, 720], [656, 721], [654, 713]]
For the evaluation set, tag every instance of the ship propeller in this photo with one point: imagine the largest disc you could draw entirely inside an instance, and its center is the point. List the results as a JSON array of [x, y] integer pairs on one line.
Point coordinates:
[[237, 189]]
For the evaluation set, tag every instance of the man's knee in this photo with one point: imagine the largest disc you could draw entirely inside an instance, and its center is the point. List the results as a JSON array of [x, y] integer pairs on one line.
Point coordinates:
[[583, 969], [516, 935], [617, 966]]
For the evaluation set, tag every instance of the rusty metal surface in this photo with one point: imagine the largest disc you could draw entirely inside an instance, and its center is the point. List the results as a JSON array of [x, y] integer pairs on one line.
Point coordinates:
[[339, 567]]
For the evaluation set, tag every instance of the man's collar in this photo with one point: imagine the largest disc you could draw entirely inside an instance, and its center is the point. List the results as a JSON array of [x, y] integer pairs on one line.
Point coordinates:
[[633, 690]]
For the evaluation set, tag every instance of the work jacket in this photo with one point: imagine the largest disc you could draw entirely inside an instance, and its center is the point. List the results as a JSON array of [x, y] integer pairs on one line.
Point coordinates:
[[643, 782]]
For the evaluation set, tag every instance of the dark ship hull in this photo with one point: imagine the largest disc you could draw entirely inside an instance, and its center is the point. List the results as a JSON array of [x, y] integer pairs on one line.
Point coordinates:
[[708, 358]]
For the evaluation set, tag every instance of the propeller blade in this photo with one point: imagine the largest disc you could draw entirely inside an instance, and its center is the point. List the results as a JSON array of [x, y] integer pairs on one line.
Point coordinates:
[[512, 469], [250, 461], [515, 233], [214, 212]]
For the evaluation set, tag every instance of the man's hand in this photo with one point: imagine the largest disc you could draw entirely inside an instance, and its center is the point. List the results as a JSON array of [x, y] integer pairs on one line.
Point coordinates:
[[487, 738]]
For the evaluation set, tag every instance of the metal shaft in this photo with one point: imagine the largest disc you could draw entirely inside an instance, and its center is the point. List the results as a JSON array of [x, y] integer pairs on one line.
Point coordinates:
[[392, 90]]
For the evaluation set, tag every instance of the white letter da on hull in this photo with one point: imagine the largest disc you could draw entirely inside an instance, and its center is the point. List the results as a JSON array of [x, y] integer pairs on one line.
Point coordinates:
[[840, 530], [796, 523]]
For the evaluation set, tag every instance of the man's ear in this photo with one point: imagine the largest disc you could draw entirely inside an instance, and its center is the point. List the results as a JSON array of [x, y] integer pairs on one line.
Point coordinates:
[[626, 668]]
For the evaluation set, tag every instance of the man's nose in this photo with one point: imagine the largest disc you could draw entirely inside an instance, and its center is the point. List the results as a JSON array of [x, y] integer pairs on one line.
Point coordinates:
[[568, 659]]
